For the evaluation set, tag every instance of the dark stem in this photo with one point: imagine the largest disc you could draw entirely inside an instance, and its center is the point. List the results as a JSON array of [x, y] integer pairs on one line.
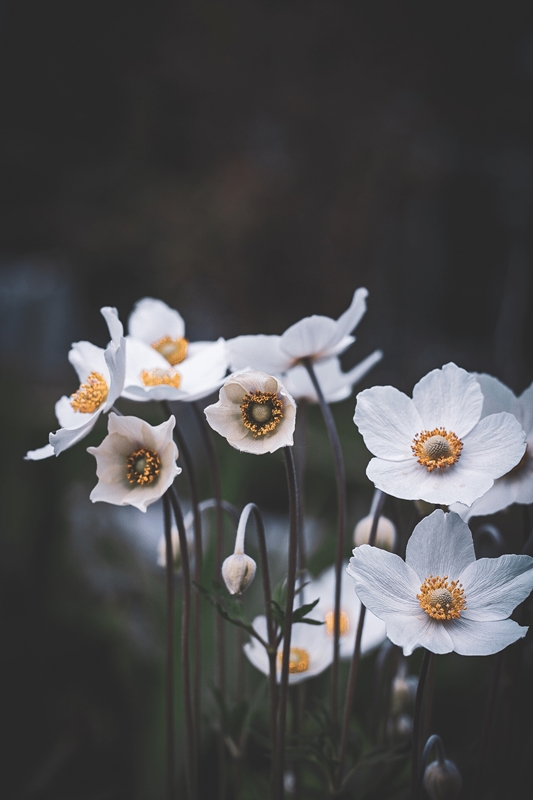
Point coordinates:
[[417, 724], [433, 741], [487, 725], [356, 655], [291, 579], [170, 647], [191, 758], [338, 463], [299, 453]]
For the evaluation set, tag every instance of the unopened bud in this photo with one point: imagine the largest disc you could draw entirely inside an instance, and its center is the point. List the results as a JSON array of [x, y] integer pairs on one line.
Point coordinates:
[[403, 693], [238, 572], [385, 535], [442, 780]]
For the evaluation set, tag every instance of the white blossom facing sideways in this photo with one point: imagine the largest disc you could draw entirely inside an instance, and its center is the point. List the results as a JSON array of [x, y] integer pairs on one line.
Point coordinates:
[[101, 374], [516, 486], [161, 364], [436, 447], [136, 462], [255, 413], [308, 656], [323, 587], [336, 385], [440, 597]]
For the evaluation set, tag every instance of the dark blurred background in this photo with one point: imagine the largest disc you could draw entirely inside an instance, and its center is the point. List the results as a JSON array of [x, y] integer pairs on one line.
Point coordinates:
[[249, 163]]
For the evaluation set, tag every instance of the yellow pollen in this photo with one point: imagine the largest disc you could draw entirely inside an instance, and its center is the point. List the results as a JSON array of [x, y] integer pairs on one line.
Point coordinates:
[[90, 395], [174, 350], [142, 467], [261, 412], [344, 622], [438, 448], [442, 599], [158, 377], [298, 660]]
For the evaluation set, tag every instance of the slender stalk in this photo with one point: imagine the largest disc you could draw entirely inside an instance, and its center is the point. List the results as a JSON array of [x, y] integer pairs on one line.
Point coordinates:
[[291, 579], [299, 452], [356, 654], [417, 724], [340, 480], [487, 725], [170, 647], [191, 759]]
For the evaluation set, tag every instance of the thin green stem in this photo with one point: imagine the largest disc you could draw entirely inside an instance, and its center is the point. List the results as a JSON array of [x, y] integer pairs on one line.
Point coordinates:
[[170, 647], [417, 724]]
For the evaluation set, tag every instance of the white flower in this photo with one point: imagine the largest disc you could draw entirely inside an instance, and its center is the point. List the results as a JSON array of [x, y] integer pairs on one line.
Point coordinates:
[[435, 447], [308, 656], [336, 385], [323, 587], [101, 374], [517, 485], [136, 462], [440, 597], [254, 413], [161, 364]]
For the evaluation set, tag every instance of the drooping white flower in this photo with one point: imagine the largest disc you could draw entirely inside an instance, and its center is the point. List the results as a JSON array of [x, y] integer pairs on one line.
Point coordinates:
[[436, 447], [101, 374], [136, 462], [440, 597], [323, 587], [254, 413], [516, 486], [308, 656], [161, 364], [238, 570]]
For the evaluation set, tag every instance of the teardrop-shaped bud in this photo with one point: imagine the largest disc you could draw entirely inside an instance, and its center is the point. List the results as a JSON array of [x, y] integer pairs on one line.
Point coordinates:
[[385, 536], [238, 571], [442, 780]]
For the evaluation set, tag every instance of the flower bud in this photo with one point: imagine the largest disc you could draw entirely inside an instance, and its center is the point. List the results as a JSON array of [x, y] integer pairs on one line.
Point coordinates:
[[238, 572], [385, 535], [403, 693], [442, 780]]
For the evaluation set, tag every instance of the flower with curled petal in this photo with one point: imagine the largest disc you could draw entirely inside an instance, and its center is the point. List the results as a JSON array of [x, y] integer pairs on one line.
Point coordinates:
[[436, 447]]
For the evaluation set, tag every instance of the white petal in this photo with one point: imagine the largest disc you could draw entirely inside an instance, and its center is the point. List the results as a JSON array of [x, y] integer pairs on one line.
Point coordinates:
[[496, 396], [449, 398], [441, 544], [86, 358], [411, 632], [67, 437], [116, 331], [258, 353], [456, 484], [38, 455], [384, 582], [483, 638], [495, 445], [348, 321], [152, 319], [115, 357], [309, 337], [226, 421], [524, 410], [495, 586], [514, 488], [388, 422], [402, 479]]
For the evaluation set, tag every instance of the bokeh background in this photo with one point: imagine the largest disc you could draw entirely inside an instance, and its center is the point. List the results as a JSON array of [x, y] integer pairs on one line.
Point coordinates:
[[249, 163]]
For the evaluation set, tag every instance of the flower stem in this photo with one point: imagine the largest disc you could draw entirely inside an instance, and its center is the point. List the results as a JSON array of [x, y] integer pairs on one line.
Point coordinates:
[[191, 759], [170, 647], [417, 723], [299, 451], [487, 725], [340, 480], [356, 653]]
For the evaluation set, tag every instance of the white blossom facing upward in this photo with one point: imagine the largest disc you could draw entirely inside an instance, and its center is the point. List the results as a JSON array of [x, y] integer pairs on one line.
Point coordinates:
[[255, 413], [440, 597], [136, 462], [308, 656], [517, 485], [101, 374], [436, 447]]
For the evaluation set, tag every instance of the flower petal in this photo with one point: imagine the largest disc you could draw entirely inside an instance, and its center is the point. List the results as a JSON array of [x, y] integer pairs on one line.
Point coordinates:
[[496, 396], [441, 544], [67, 437], [524, 410], [388, 422], [483, 638], [384, 582], [495, 586], [449, 398], [398, 478], [38, 455], [351, 318], [309, 337], [152, 319], [411, 632], [494, 446], [86, 358], [226, 421], [258, 353]]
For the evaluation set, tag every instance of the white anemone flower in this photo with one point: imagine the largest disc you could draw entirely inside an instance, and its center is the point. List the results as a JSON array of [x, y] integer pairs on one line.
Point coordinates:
[[440, 597], [336, 385], [323, 587], [161, 364], [136, 462], [101, 374], [255, 413], [436, 447], [517, 485], [307, 657]]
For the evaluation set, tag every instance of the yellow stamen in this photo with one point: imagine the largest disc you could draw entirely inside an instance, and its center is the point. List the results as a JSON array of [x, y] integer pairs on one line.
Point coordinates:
[[438, 448], [174, 350], [442, 599], [158, 377], [90, 395], [142, 467], [261, 412], [298, 660], [344, 621]]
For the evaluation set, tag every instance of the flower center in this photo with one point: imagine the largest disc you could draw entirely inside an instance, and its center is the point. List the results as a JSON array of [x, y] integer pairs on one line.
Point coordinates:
[[437, 448], [298, 660], [142, 467], [442, 599], [174, 350], [90, 395], [261, 412], [160, 377], [344, 622]]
